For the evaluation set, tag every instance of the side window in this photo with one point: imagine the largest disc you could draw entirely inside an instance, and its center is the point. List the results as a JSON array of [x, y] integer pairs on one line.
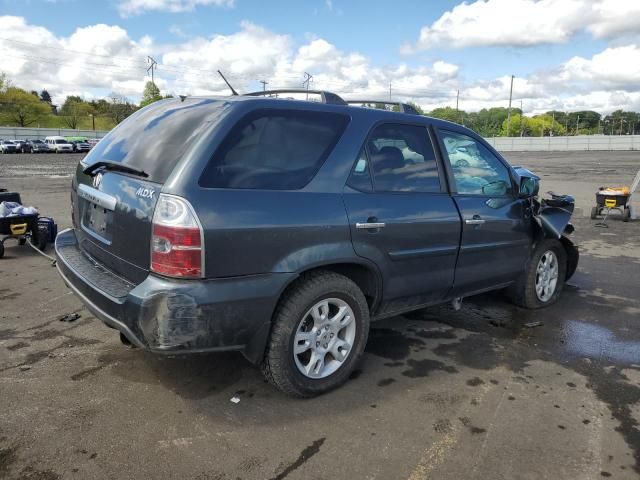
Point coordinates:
[[476, 170], [360, 177], [274, 150], [402, 159]]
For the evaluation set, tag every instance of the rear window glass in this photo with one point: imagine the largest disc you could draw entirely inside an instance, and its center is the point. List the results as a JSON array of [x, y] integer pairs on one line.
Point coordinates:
[[274, 150], [155, 138]]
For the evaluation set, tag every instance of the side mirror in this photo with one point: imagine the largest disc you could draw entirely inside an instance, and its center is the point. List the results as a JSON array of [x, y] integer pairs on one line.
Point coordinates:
[[495, 189], [529, 186]]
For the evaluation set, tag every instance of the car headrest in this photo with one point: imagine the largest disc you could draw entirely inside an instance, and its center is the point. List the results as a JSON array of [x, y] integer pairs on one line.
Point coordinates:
[[389, 158]]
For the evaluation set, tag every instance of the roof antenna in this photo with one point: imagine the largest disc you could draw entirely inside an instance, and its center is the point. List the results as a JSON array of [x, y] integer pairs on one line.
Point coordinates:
[[233, 92]]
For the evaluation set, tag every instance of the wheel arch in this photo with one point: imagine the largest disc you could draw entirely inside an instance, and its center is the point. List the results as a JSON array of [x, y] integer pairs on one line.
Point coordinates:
[[364, 274]]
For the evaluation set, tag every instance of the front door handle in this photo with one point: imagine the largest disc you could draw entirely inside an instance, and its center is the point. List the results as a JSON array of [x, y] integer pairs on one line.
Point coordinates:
[[475, 220]]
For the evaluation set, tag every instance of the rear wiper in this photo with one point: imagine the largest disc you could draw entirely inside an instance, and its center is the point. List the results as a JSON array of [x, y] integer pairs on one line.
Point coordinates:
[[115, 167]]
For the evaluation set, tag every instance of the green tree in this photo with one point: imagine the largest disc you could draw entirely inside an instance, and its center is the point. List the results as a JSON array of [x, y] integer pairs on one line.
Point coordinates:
[[417, 107], [151, 94], [45, 97], [21, 107], [120, 107], [74, 109], [446, 113]]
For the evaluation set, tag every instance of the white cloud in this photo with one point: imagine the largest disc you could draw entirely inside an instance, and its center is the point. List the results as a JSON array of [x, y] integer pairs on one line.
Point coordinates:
[[613, 67], [127, 8], [98, 59], [615, 17], [523, 23]]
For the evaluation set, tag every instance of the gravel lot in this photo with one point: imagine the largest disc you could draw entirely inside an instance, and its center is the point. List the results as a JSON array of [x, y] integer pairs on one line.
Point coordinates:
[[440, 394]]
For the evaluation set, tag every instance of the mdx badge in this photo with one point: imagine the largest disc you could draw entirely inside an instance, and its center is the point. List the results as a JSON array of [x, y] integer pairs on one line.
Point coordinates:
[[145, 192]]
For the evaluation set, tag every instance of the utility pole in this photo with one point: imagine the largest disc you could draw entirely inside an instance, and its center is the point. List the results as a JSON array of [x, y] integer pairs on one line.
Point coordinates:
[[389, 91], [553, 120], [521, 119], [152, 65], [577, 125], [509, 111], [264, 85], [306, 82]]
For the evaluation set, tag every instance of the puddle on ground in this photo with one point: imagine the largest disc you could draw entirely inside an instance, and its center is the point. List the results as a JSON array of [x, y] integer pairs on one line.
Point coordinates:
[[599, 343]]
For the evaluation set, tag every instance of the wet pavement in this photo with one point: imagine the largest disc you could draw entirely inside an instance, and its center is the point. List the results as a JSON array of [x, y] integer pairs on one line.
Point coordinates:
[[440, 394]]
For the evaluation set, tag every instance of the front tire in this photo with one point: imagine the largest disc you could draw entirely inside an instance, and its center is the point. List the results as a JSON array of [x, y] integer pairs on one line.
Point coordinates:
[[543, 280], [319, 332]]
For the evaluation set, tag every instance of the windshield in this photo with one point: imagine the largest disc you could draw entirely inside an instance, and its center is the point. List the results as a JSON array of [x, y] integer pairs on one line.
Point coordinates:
[[155, 138], [61, 140]]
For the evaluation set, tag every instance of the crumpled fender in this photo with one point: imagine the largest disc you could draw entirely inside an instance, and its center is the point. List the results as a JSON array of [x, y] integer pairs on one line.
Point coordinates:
[[553, 216]]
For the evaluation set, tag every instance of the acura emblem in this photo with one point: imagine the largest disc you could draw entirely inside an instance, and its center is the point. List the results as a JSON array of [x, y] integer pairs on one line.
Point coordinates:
[[97, 180]]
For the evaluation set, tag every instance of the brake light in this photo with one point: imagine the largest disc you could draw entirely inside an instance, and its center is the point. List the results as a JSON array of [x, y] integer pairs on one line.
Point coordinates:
[[176, 240]]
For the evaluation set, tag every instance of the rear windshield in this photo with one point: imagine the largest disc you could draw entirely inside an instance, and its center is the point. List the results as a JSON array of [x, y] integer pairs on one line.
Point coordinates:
[[274, 150], [155, 138]]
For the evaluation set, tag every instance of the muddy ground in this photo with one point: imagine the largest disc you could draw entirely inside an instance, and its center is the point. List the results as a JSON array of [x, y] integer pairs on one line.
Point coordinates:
[[440, 394]]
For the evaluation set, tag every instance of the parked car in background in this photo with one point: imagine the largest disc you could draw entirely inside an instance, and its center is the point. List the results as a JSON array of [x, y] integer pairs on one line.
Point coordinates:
[[38, 146], [58, 144], [93, 142], [7, 146], [22, 146], [280, 228], [80, 146]]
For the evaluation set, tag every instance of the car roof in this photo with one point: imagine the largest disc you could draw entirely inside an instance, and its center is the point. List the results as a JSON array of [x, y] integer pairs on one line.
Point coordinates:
[[374, 114]]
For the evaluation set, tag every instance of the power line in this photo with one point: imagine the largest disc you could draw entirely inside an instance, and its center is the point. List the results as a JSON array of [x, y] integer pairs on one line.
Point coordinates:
[[67, 49]]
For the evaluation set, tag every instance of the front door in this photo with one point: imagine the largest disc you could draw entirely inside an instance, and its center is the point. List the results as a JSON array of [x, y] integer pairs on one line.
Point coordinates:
[[401, 216], [496, 224]]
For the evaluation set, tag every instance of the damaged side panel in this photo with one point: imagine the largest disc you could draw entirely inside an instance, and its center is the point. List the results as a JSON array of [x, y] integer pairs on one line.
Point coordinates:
[[552, 216]]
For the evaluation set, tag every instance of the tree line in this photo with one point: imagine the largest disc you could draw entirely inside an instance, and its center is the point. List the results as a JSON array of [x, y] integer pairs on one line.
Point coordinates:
[[19, 107], [494, 122], [22, 108]]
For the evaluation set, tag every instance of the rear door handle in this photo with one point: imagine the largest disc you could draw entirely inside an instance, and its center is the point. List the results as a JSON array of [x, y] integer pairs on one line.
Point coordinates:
[[370, 226], [475, 220]]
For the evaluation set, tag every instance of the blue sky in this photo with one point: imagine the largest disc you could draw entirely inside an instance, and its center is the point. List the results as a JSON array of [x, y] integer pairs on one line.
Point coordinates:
[[425, 47]]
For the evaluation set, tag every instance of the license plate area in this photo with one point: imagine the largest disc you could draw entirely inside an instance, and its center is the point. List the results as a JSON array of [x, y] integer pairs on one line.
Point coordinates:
[[98, 220]]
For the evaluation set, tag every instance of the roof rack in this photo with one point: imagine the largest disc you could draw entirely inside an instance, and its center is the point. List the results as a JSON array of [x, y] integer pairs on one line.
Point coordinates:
[[327, 97], [404, 107]]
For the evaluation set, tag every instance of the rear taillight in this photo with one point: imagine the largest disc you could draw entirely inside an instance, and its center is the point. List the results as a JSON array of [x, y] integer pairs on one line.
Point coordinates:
[[176, 241]]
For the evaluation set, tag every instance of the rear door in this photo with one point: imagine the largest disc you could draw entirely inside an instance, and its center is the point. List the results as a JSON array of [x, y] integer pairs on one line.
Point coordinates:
[[496, 225], [401, 216]]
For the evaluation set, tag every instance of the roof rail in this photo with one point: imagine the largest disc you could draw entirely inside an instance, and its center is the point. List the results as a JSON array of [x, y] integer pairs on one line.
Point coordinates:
[[327, 97], [404, 107]]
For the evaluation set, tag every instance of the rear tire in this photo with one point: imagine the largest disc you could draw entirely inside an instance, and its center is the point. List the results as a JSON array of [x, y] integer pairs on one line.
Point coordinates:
[[626, 214], [594, 213], [299, 322], [529, 291], [1, 250]]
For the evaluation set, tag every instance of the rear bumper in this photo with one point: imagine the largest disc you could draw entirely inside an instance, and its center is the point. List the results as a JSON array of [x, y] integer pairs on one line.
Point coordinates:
[[175, 316]]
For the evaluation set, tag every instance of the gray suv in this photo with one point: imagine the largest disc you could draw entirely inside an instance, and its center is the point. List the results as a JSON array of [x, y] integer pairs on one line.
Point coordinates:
[[280, 228]]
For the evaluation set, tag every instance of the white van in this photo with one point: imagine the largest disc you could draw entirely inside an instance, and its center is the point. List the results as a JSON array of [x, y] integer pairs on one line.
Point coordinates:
[[58, 144]]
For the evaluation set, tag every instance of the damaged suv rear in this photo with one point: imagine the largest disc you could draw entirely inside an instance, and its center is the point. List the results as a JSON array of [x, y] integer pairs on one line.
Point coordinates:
[[280, 228]]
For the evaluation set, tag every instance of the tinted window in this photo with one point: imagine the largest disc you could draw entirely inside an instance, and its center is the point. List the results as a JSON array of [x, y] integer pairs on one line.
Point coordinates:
[[403, 159], [360, 177], [274, 150], [155, 138], [476, 170]]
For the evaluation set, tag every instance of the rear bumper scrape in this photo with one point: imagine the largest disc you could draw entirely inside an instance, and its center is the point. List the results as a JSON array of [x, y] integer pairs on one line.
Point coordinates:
[[180, 316]]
